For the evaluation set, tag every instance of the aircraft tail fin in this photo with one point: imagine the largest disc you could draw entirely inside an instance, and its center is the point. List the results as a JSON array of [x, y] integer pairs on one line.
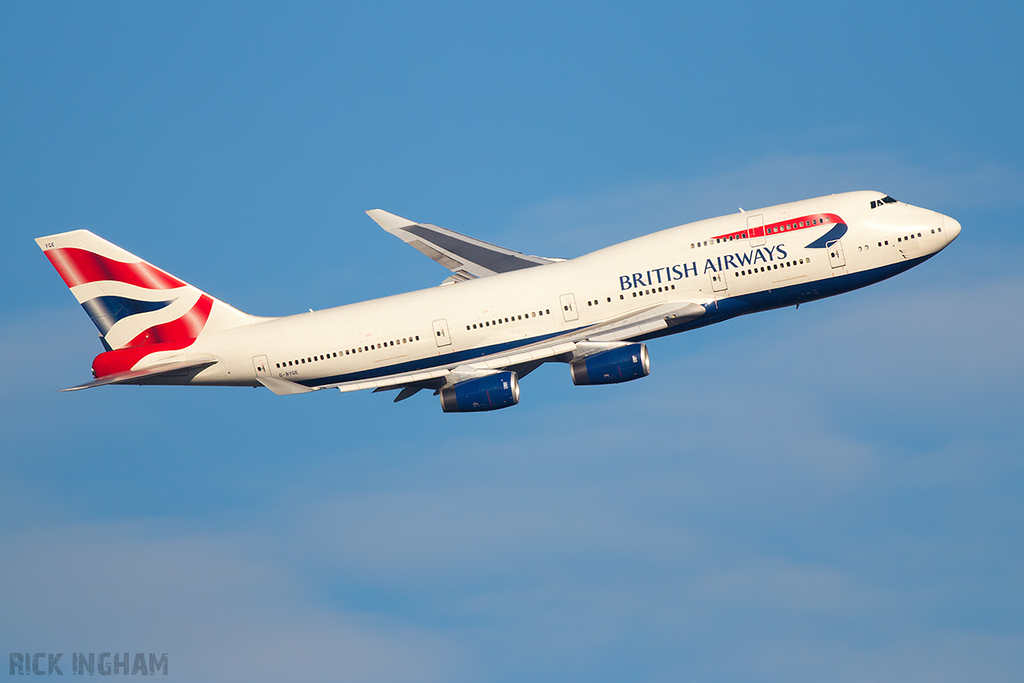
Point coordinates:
[[134, 304]]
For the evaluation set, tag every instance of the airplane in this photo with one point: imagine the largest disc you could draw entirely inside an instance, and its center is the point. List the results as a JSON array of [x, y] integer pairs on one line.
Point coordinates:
[[501, 313]]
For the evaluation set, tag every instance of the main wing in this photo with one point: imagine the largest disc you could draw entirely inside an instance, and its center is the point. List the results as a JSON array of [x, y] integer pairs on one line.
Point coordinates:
[[564, 347], [466, 257]]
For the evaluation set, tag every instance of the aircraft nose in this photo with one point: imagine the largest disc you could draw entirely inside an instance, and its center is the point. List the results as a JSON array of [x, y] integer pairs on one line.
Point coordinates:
[[951, 227]]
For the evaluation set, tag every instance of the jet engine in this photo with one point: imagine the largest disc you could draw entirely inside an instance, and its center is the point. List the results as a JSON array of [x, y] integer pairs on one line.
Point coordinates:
[[490, 392], [621, 364]]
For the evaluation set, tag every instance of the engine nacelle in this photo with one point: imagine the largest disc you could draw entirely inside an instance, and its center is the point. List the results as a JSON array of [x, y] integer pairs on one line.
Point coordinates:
[[490, 392], [621, 364]]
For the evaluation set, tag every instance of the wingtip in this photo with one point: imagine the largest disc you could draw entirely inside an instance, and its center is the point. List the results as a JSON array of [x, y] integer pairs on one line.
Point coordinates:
[[388, 221]]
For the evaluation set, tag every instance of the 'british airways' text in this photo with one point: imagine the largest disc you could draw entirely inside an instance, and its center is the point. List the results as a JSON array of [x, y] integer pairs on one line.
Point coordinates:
[[681, 271]]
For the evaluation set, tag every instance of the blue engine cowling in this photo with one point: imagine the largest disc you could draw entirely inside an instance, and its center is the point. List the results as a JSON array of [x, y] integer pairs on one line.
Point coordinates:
[[621, 364], [491, 392]]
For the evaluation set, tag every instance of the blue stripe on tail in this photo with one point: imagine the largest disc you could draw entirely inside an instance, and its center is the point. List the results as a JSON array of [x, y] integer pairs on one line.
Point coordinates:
[[105, 311]]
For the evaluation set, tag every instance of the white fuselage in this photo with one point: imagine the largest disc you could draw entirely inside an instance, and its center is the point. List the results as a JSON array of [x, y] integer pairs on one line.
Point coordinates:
[[724, 262]]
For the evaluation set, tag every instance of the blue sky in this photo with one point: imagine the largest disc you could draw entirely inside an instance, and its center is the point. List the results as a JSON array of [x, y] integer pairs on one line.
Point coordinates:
[[833, 493]]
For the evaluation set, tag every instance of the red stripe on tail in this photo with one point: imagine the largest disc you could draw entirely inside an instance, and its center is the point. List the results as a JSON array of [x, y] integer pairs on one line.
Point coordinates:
[[123, 360], [78, 266], [187, 326], [171, 336]]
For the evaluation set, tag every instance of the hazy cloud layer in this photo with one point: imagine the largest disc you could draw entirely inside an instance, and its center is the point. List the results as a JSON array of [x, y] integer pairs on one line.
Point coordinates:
[[799, 494]]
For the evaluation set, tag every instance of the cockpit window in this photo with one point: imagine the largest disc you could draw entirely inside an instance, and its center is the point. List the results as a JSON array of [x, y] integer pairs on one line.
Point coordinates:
[[884, 200]]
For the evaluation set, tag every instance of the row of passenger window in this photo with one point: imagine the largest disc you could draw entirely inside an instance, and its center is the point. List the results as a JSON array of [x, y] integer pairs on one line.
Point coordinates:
[[770, 230], [906, 239], [512, 318], [717, 240], [794, 226], [774, 266], [348, 352], [652, 290]]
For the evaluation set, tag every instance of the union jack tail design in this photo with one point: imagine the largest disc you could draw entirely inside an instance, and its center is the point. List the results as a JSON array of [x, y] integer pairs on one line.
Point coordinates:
[[138, 308]]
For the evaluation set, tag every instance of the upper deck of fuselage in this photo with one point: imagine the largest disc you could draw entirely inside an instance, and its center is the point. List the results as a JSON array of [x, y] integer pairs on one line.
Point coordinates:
[[870, 213]]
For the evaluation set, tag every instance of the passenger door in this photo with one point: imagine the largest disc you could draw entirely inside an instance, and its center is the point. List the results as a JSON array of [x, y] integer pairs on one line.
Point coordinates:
[[441, 333], [569, 312], [755, 230], [261, 366], [835, 254], [718, 282]]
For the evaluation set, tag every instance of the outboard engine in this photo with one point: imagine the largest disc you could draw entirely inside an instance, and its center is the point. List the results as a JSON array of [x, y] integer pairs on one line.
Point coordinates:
[[620, 364], [490, 392]]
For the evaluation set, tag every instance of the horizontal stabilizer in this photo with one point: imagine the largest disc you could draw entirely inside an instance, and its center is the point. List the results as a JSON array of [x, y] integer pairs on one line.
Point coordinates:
[[466, 257], [142, 376]]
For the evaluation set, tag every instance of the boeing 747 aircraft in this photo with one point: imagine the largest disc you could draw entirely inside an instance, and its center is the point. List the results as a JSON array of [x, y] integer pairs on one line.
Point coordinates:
[[501, 313]]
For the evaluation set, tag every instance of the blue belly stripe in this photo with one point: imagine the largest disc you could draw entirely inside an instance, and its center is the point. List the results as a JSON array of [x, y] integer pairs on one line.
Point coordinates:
[[431, 362], [719, 311], [790, 295]]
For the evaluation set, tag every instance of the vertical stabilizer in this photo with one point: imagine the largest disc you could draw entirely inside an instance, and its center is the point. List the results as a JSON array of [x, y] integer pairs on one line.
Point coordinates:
[[134, 304]]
